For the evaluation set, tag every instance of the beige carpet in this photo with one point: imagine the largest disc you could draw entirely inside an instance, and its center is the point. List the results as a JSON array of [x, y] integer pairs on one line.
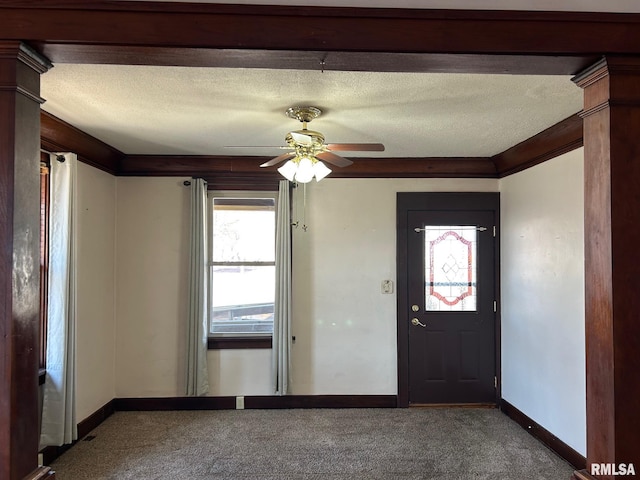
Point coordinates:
[[353, 444]]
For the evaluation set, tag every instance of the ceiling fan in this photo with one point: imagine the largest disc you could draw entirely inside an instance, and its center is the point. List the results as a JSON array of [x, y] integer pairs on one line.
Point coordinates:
[[309, 150]]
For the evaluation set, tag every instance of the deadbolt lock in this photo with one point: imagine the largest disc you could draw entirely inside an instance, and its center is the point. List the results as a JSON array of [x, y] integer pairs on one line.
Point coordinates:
[[415, 308]]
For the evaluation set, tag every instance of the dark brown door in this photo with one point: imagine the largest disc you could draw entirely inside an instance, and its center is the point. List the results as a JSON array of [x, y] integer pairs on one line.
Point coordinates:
[[450, 311]]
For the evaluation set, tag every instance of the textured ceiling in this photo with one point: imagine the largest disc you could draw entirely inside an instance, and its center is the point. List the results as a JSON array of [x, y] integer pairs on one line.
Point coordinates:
[[202, 111]]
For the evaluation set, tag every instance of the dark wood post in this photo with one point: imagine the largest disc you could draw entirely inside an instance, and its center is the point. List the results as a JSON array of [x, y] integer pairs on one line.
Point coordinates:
[[612, 261], [20, 71]]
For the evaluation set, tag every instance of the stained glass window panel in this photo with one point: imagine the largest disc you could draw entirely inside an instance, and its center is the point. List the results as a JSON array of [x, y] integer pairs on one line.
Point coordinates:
[[450, 268]]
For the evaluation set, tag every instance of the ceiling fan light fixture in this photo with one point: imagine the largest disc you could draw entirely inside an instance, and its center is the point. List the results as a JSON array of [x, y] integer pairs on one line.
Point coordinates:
[[305, 170], [320, 170], [288, 170]]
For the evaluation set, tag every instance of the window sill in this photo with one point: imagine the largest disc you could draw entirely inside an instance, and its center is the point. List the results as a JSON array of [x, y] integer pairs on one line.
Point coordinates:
[[223, 343], [42, 375]]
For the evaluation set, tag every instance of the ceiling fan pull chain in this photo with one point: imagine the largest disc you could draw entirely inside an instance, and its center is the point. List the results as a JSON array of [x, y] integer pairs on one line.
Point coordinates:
[[304, 207], [295, 222]]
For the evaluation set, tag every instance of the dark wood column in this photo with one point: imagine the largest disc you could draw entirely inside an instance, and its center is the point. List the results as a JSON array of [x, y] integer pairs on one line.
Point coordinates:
[[20, 71], [612, 260]]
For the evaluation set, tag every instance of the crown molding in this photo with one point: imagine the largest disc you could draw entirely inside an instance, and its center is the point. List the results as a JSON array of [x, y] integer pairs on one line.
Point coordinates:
[[244, 172], [556, 140], [56, 135]]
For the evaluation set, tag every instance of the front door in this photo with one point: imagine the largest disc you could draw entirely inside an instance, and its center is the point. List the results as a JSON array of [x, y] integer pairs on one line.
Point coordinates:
[[449, 299]]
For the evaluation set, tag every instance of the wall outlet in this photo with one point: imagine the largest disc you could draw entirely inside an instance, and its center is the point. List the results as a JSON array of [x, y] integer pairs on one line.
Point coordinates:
[[40, 459], [387, 286], [239, 403]]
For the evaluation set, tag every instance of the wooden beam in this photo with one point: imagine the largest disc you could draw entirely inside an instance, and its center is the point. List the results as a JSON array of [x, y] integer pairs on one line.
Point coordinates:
[[203, 25], [164, 32], [318, 60], [560, 138], [58, 136], [239, 167], [409, 167]]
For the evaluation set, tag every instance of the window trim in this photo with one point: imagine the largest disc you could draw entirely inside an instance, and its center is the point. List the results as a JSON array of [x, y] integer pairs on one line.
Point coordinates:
[[239, 343], [246, 341], [45, 211]]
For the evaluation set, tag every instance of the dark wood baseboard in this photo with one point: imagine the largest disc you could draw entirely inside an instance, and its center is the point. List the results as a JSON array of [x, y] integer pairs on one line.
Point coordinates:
[[546, 437], [582, 475], [255, 402], [321, 401], [49, 454], [453, 405], [95, 419], [41, 473], [174, 403]]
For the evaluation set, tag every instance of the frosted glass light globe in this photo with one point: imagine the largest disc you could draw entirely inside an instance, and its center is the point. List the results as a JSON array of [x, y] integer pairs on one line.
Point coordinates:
[[288, 170], [320, 170], [305, 170]]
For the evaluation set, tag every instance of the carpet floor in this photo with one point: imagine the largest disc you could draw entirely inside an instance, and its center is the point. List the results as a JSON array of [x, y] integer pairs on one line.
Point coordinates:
[[313, 444]]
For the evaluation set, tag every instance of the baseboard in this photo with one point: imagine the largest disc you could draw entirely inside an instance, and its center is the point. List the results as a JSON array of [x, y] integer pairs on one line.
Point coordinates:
[[41, 473], [95, 419], [321, 401], [546, 437], [255, 402], [174, 403], [49, 454], [582, 475]]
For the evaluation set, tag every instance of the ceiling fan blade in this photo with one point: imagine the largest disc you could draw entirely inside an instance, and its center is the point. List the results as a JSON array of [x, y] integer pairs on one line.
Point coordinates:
[[334, 159], [356, 147], [278, 159], [301, 138], [280, 147]]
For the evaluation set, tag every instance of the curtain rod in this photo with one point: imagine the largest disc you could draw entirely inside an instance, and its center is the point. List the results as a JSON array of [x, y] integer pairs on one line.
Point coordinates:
[[59, 157]]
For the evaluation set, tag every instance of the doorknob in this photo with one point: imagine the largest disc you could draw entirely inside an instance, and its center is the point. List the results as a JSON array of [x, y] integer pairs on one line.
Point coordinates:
[[417, 322]]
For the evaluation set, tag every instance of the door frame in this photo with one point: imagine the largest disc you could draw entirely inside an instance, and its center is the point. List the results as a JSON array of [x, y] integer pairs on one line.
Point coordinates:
[[465, 201]]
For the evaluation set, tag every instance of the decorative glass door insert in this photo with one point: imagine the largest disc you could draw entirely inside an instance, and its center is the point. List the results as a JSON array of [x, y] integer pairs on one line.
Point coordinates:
[[450, 268]]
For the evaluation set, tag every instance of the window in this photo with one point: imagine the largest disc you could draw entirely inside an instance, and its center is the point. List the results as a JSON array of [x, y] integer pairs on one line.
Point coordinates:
[[44, 259], [242, 268]]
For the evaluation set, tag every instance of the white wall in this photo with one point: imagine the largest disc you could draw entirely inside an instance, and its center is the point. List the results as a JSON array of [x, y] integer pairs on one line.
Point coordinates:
[[96, 290], [152, 238], [345, 328], [543, 359]]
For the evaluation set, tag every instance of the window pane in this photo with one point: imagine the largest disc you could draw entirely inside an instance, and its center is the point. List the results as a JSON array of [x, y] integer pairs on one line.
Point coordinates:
[[450, 268], [244, 230], [242, 300]]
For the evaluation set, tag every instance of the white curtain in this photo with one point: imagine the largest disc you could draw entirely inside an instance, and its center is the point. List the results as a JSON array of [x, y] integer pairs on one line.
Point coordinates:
[[197, 375], [59, 402], [281, 358]]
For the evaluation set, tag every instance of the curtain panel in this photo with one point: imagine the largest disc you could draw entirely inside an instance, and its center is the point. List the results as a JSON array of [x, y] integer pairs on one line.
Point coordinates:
[[59, 401], [197, 329], [281, 355]]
